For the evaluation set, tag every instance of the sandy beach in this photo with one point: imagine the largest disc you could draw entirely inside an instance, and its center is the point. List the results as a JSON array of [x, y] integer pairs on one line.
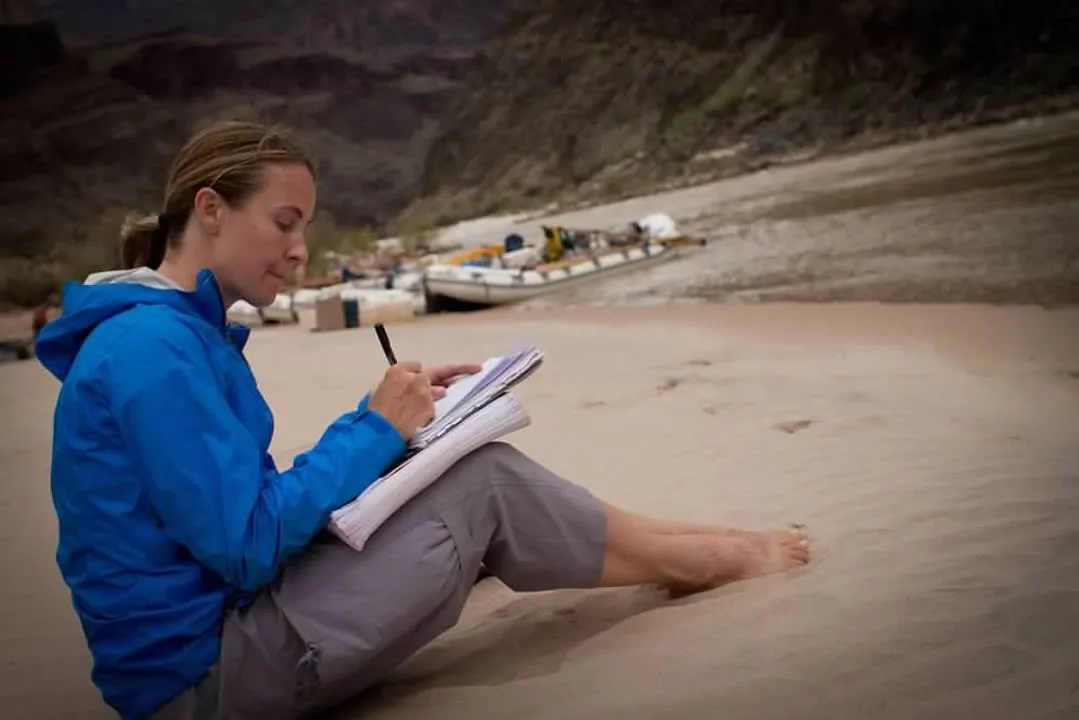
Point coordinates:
[[932, 451]]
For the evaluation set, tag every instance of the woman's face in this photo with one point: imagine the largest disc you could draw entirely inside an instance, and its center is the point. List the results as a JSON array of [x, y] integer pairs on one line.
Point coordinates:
[[260, 244]]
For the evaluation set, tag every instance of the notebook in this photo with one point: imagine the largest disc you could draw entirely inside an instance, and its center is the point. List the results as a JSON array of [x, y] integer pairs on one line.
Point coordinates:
[[472, 392], [477, 410]]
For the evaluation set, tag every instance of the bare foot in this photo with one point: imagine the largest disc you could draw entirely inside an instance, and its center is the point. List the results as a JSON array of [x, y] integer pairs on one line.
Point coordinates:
[[709, 560], [668, 527], [777, 551]]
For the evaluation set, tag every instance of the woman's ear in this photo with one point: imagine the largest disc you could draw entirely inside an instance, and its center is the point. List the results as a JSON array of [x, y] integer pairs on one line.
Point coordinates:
[[209, 210]]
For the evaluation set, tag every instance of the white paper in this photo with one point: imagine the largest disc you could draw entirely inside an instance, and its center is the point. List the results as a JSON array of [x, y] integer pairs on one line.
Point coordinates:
[[356, 522], [463, 397]]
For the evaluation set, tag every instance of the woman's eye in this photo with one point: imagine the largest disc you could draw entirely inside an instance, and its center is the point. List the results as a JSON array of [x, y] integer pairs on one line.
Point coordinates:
[[285, 226]]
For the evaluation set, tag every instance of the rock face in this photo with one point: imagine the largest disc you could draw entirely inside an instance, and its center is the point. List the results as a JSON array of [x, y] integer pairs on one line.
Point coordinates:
[[377, 27], [95, 101], [475, 104], [20, 12], [569, 90]]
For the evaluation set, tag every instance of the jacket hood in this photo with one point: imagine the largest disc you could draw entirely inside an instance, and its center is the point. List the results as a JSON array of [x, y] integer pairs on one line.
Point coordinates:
[[104, 295]]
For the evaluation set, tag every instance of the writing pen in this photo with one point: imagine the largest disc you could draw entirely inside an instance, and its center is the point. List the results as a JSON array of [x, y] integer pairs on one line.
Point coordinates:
[[384, 341]]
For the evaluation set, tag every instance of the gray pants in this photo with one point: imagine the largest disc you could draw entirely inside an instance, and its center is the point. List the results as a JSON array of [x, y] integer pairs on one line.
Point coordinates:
[[337, 621]]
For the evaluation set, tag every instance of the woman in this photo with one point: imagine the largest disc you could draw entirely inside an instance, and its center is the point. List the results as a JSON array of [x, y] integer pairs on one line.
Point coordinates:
[[201, 574]]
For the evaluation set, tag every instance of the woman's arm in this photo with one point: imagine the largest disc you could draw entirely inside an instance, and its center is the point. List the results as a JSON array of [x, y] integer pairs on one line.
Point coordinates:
[[207, 477]]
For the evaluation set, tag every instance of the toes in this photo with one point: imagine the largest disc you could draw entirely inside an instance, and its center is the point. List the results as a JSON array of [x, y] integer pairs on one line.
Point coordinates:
[[795, 538], [795, 544]]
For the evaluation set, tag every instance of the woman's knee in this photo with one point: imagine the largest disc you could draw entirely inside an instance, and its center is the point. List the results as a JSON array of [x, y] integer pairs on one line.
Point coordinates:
[[495, 460], [495, 450], [501, 467], [499, 470]]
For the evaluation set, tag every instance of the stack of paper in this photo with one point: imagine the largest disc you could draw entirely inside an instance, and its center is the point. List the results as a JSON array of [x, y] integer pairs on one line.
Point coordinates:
[[474, 391], [476, 410]]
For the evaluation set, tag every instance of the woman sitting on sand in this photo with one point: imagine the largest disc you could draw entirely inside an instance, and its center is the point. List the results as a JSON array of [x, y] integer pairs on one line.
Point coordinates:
[[201, 574]]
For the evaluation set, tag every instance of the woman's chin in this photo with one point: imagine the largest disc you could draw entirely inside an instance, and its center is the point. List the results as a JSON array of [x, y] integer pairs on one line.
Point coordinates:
[[266, 295], [260, 300]]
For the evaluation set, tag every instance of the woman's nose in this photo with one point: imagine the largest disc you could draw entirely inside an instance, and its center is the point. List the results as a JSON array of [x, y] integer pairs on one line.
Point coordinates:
[[297, 253]]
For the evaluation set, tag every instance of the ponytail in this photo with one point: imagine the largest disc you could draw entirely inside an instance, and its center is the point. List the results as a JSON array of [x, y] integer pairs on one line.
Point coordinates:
[[144, 240]]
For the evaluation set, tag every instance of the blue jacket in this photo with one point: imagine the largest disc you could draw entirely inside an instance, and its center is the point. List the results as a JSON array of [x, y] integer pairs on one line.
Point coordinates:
[[170, 507]]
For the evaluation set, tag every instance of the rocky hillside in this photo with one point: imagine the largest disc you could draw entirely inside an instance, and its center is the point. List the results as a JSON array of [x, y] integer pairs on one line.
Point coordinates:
[[380, 28], [473, 106], [88, 123], [599, 97]]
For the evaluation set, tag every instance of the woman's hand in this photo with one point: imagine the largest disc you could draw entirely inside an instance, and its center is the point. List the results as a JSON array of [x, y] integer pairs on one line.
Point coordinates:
[[443, 376], [405, 398]]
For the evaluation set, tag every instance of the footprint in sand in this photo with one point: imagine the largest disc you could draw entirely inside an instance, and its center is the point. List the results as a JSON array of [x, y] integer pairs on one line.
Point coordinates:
[[793, 426], [669, 384]]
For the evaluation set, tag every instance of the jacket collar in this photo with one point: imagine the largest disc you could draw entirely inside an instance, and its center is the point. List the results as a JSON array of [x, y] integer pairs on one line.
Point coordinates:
[[208, 303]]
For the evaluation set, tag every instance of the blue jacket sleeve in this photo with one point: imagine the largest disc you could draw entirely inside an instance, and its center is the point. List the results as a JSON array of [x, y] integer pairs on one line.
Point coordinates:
[[206, 475]]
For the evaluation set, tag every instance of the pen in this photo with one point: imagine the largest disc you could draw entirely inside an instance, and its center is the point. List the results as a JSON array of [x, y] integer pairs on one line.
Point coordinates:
[[384, 341]]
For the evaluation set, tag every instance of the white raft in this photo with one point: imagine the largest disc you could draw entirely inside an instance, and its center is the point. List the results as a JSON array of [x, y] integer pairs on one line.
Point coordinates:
[[503, 286]]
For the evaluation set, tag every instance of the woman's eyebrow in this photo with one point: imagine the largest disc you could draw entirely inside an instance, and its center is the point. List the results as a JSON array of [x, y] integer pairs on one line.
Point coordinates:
[[294, 209]]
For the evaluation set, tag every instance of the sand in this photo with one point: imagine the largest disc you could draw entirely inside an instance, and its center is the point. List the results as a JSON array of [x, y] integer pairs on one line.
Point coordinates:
[[932, 451]]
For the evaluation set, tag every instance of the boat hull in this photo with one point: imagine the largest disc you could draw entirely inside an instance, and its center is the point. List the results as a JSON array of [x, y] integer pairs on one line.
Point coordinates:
[[462, 288]]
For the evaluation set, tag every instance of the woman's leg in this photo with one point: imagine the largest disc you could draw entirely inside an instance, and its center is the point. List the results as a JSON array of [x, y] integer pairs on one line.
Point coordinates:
[[339, 620], [638, 550], [693, 557]]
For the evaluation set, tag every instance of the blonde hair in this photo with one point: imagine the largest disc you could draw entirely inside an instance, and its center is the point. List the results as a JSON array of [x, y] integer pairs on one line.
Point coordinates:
[[228, 157]]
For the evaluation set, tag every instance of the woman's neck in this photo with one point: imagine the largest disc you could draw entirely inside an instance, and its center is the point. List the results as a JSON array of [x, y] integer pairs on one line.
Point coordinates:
[[180, 273], [186, 258], [184, 272]]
